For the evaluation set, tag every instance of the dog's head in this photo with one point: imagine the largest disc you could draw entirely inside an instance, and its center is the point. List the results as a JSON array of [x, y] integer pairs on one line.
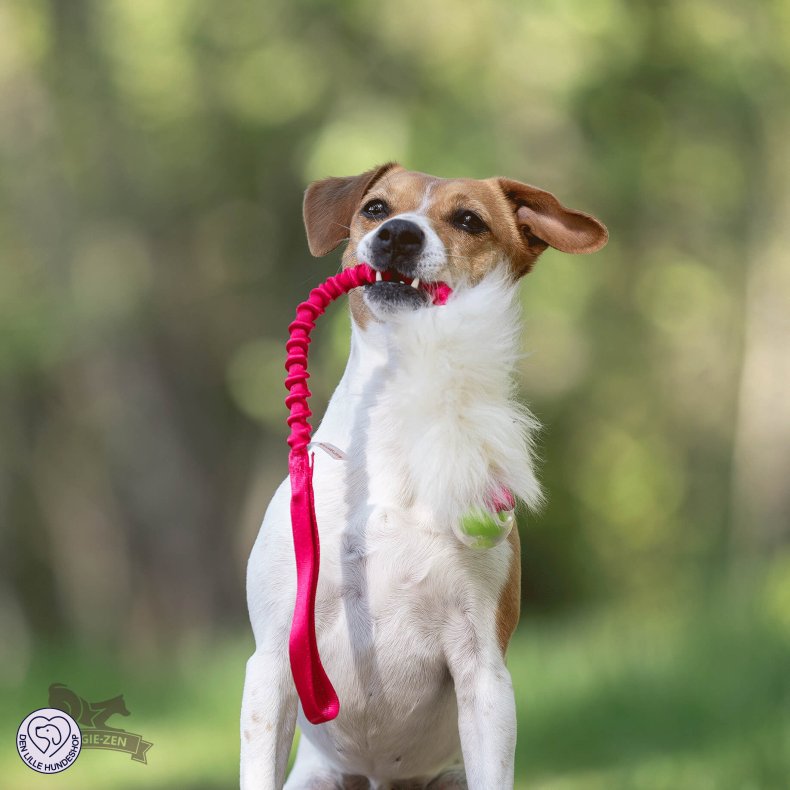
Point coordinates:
[[419, 230]]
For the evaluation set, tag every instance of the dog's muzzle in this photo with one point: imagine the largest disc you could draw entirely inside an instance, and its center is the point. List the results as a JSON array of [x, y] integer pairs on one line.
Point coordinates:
[[395, 252]]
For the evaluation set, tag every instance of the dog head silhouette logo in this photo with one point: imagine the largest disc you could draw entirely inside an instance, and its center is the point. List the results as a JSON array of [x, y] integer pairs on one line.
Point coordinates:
[[92, 718]]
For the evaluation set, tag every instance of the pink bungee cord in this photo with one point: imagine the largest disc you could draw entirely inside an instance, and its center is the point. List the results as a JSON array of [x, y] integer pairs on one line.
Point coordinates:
[[316, 693]]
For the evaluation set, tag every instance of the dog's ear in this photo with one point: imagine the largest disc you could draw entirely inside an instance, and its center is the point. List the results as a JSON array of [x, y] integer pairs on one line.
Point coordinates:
[[543, 221], [329, 207]]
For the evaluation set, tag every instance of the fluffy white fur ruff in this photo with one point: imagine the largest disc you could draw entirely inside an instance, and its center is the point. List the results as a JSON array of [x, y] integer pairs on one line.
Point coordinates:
[[450, 413]]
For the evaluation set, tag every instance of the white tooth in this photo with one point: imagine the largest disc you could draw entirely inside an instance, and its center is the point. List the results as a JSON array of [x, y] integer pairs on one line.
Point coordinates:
[[415, 283], [378, 277]]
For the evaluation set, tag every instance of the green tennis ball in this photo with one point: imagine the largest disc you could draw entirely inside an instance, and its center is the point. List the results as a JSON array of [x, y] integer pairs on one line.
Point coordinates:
[[481, 529]]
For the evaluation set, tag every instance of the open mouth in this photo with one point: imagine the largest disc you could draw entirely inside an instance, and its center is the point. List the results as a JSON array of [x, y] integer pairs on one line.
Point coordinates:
[[393, 289]]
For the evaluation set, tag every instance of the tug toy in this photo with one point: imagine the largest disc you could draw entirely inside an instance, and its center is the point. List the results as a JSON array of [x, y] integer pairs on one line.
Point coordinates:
[[478, 529]]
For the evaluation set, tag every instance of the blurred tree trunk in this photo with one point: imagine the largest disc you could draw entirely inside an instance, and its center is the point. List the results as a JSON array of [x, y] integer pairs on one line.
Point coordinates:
[[761, 469]]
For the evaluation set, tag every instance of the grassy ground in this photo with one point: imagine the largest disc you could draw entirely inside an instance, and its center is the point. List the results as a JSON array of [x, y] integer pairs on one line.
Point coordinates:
[[687, 699]]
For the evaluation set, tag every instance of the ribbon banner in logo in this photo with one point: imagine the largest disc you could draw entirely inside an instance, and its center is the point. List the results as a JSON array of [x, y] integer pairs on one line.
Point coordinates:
[[92, 719]]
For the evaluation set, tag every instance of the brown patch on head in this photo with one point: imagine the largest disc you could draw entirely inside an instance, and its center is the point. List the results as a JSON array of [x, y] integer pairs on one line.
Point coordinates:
[[519, 221], [509, 605], [469, 257]]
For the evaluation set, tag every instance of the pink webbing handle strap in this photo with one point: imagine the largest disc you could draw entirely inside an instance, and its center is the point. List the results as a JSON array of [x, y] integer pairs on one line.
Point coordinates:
[[318, 697]]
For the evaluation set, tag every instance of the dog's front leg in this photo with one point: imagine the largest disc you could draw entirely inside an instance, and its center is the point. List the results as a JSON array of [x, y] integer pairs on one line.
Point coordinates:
[[486, 714], [268, 719]]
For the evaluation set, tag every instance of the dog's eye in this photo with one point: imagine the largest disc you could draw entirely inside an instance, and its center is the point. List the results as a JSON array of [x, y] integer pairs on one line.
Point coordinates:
[[469, 222], [375, 209]]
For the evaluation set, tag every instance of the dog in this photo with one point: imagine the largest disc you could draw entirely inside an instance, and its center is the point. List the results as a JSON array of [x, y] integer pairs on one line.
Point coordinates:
[[412, 624]]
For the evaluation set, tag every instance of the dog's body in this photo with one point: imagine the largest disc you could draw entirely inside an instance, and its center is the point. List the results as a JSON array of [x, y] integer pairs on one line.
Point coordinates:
[[412, 624]]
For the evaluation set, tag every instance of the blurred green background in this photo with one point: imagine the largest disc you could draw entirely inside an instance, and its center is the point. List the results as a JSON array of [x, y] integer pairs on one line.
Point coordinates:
[[152, 162]]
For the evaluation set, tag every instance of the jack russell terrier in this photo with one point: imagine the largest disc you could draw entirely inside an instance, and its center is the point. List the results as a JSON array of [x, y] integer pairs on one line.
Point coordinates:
[[412, 624]]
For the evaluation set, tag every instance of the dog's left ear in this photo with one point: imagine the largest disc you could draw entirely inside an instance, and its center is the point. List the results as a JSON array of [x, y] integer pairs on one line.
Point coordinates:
[[329, 207], [543, 221]]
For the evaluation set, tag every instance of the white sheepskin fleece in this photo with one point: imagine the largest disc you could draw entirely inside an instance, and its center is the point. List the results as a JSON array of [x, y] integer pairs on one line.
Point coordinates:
[[450, 413]]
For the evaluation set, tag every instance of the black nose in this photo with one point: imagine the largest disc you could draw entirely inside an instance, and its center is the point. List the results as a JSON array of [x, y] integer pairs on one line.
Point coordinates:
[[397, 241]]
